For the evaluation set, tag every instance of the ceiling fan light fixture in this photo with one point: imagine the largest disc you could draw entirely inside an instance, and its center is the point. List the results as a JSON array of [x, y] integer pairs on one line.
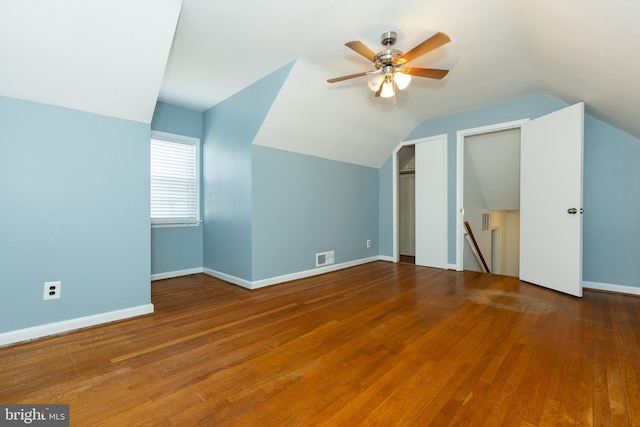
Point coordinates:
[[402, 79], [375, 81], [390, 74], [387, 88]]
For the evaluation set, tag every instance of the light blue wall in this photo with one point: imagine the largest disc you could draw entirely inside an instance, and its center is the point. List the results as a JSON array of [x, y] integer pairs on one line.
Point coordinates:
[[229, 130], [303, 205], [176, 248], [74, 207], [611, 205], [611, 185], [268, 212], [178, 120]]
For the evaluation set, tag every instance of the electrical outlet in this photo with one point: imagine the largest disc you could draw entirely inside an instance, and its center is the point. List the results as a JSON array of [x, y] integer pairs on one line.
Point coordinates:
[[52, 290], [368, 243]]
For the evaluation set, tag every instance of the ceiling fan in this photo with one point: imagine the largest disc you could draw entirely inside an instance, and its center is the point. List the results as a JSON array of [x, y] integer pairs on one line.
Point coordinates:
[[391, 69]]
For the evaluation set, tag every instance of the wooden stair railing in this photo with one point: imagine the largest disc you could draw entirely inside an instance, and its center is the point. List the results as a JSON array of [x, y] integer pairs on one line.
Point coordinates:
[[478, 252]]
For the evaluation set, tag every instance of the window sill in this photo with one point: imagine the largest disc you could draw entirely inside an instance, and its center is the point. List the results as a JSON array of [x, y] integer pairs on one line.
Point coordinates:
[[176, 224]]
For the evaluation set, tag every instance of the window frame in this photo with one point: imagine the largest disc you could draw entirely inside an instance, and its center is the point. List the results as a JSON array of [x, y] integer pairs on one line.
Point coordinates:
[[177, 222]]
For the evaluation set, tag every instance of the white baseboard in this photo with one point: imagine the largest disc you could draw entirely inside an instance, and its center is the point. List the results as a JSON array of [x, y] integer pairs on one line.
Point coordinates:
[[621, 289], [40, 331], [287, 277], [177, 273], [313, 272], [392, 259], [228, 278]]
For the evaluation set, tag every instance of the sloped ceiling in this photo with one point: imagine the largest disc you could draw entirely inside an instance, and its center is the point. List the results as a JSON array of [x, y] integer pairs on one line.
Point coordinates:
[[496, 162], [104, 57], [575, 50]]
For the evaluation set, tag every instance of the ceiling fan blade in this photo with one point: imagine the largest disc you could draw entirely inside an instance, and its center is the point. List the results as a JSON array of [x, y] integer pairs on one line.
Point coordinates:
[[350, 76], [363, 50], [432, 73], [433, 42]]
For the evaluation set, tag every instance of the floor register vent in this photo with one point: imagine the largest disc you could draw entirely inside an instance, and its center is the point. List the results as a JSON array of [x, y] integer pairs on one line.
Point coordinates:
[[324, 258]]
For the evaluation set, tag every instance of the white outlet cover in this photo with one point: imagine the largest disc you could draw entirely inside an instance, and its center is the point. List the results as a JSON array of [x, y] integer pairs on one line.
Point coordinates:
[[49, 287]]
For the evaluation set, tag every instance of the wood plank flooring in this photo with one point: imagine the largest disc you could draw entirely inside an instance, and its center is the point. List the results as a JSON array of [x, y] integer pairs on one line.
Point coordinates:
[[379, 344]]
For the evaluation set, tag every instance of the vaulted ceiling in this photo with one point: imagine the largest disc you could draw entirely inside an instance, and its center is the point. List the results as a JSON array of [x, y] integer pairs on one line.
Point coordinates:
[[117, 57]]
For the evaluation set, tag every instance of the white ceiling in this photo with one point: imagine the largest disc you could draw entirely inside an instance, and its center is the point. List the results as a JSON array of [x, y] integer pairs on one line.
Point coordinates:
[[105, 57], [109, 56]]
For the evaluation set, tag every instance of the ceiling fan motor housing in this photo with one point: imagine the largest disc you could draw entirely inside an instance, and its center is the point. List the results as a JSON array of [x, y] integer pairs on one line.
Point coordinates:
[[388, 57], [388, 38]]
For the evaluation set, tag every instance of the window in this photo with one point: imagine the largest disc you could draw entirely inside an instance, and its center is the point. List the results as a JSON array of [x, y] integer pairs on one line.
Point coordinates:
[[175, 180]]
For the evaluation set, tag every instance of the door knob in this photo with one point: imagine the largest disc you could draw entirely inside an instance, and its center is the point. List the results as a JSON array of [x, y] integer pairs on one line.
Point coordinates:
[[572, 211]]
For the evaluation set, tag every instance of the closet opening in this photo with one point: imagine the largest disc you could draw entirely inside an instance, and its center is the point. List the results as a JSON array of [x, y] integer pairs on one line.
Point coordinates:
[[407, 204]]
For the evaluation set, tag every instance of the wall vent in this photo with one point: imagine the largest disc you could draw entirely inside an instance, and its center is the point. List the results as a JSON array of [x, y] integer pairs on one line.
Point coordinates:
[[324, 258], [486, 221]]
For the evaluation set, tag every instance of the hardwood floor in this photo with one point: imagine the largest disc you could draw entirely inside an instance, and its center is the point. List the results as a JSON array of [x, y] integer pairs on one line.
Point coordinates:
[[378, 344], [407, 259]]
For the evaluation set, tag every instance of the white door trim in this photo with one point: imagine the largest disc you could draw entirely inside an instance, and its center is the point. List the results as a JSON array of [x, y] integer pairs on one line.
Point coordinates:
[[461, 135], [396, 255]]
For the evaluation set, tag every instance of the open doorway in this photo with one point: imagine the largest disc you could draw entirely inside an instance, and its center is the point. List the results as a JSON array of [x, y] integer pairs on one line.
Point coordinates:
[[550, 201], [428, 218], [489, 199], [407, 204]]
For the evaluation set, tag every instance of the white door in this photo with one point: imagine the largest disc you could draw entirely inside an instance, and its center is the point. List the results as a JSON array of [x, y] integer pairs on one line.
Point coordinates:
[[431, 203], [551, 200]]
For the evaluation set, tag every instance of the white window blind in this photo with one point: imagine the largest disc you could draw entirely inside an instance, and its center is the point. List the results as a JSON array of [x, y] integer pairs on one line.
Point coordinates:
[[174, 180]]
